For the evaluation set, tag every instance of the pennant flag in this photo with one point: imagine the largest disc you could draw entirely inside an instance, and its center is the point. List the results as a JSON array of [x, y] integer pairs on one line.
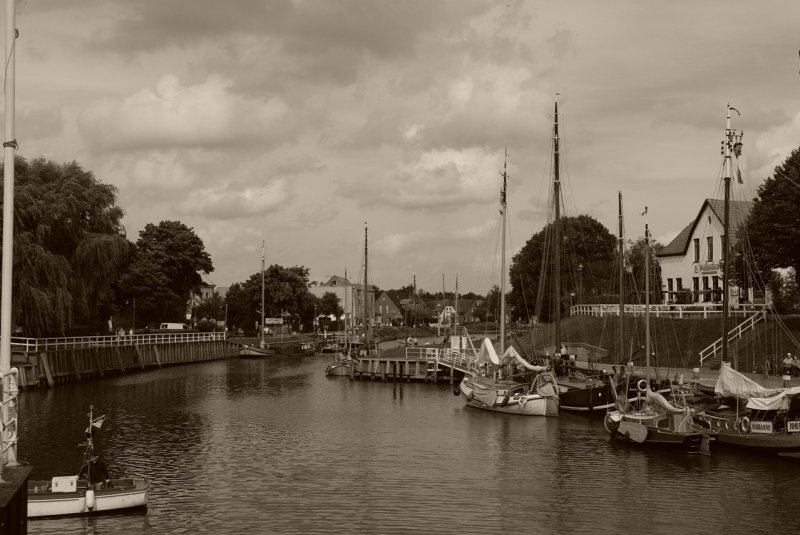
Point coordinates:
[[97, 422]]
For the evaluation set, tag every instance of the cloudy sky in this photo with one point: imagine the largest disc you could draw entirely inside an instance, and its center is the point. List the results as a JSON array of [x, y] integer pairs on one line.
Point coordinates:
[[296, 121]]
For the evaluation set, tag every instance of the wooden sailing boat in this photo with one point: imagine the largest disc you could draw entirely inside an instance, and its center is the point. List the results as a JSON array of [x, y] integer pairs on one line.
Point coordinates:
[[351, 349], [579, 390], [493, 383], [770, 420], [652, 420], [263, 349]]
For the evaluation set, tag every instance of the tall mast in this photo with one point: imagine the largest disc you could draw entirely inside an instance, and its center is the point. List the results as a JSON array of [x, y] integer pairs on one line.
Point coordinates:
[[503, 206], [262, 293], [9, 456], [733, 140], [646, 294], [367, 317], [557, 229], [621, 242], [455, 306]]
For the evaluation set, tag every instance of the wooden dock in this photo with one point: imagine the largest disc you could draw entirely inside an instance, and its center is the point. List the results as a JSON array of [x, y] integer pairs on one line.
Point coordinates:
[[428, 364], [50, 361]]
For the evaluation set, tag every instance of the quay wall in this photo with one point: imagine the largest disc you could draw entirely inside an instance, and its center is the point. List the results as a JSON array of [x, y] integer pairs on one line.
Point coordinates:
[[53, 364]]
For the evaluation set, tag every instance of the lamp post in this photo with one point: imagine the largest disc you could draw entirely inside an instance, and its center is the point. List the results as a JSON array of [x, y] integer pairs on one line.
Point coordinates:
[[580, 282], [315, 319]]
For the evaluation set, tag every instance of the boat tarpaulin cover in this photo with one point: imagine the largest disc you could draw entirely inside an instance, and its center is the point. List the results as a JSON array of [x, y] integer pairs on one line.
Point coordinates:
[[772, 403], [731, 383], [654, 398]]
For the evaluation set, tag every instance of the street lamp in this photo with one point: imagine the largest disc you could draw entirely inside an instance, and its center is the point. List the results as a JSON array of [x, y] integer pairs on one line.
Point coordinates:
[[315, 319], [580, 282]]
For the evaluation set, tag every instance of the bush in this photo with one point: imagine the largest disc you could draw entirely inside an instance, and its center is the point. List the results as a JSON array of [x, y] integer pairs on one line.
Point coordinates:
[[206, 326]]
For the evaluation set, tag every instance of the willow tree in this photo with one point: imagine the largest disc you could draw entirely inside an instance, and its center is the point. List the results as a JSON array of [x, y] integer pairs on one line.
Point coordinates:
[[69, 246]]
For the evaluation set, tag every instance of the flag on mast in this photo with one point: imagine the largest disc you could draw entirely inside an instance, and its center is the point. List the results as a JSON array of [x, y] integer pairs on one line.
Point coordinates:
[[97, 423]]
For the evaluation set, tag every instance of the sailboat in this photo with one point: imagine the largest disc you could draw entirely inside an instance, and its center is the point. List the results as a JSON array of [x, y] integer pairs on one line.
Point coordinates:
[[652, 420], [507, 382], [352, 348], [769, 422], [263, 349], [579, 390]]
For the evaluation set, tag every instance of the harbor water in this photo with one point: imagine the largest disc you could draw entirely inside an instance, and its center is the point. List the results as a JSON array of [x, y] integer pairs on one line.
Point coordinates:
[[273, 446]]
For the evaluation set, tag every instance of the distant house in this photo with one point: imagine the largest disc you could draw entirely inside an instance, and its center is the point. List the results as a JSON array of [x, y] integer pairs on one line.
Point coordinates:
[[690, 263], [351, 297], [468, 310], [387, 311], [415, 310]]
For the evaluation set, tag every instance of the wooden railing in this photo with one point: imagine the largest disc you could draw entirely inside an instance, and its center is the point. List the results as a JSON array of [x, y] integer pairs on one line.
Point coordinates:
[[51, 344]]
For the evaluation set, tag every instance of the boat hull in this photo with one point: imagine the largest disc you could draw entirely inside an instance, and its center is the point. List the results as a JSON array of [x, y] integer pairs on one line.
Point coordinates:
[[500, 398], [589, 397], [339, 368], [255, 352], [640, 431], [780, 442], [125, 493]]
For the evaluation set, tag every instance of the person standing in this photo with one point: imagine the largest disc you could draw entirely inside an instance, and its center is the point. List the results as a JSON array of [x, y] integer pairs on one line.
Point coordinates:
[[788, 364]]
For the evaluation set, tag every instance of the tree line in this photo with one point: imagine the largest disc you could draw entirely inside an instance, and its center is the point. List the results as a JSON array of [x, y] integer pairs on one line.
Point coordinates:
[[74, 266]]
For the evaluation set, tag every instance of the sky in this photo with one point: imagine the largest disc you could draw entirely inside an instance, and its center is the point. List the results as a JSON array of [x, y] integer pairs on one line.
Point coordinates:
[[295, 122]]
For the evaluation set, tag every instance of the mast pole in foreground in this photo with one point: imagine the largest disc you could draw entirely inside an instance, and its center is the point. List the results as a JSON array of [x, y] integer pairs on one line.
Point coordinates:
[[8, 433]]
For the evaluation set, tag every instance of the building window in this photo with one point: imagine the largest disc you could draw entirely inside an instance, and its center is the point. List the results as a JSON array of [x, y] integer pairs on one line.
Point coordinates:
[[697, 249], [705, 289], [715, 282], [710, 248], [678, 284], [696, 288], [669, 285]]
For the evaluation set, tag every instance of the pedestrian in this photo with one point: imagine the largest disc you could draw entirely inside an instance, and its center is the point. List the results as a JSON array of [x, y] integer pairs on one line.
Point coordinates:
[[795, 366], [788, 362]]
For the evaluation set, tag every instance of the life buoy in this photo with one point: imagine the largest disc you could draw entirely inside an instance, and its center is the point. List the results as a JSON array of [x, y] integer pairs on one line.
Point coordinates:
[[642, 385], [745, 425], [727, 424]]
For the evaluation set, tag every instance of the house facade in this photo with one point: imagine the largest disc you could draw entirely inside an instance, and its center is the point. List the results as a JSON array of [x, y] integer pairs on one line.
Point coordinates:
[[387, 311], [691, 268], [351, 297]]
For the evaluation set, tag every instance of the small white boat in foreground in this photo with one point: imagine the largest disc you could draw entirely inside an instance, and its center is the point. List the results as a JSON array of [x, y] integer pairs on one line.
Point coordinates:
[[88, 492]]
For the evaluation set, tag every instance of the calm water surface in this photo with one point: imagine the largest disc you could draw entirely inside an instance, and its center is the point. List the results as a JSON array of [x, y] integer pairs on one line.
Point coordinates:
[[273, 446]]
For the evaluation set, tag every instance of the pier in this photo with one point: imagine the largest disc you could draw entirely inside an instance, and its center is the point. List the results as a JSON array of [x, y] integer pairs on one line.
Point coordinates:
[[428, 364], [51, 361]]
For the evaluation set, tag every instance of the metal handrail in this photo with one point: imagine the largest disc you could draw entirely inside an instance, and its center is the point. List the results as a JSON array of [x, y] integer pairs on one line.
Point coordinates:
[[733, 334], [49, 344]]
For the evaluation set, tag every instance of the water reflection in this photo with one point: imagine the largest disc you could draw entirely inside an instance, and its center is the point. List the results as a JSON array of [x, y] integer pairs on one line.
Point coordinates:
[[273, 446]]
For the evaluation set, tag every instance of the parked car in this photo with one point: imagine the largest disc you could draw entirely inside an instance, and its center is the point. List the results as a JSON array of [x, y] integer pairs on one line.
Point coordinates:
[[173, 326]]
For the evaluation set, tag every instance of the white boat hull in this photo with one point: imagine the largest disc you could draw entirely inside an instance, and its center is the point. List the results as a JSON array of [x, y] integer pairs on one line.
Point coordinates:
[[497, 399], [121, 494]]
